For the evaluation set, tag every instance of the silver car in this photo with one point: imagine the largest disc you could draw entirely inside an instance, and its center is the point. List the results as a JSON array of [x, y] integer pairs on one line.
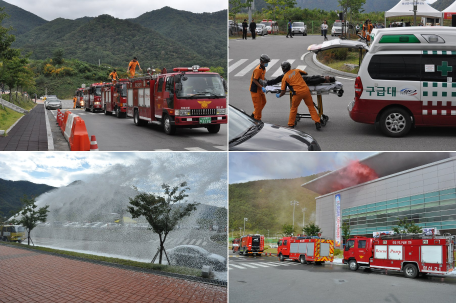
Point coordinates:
[[53, 103], [261, 30], [299, 28]]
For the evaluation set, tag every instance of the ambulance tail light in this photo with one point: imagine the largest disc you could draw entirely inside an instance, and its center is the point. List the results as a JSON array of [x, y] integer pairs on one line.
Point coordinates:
[[358, 87]]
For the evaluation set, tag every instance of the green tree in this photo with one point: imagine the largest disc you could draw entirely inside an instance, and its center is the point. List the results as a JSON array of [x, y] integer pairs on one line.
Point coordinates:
[[6, 39], [162, 212], [14, 70], [57, 57], [346, 232], [277, 8], [288, 230], [311, 229], [30, 215], [236, 6], [406, 226]]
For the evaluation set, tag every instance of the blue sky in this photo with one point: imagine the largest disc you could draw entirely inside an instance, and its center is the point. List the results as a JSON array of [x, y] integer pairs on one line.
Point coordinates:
[[205, 173], [244, 167]]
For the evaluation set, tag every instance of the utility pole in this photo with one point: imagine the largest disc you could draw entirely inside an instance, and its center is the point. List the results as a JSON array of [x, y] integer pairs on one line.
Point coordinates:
[[245, 219], [294, 203], [240, 232], [415, 8], [303, 215]]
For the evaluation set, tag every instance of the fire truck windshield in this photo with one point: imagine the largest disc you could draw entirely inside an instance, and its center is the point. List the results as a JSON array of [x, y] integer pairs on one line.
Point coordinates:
[[98, 91], [123, 90], [207, 85]]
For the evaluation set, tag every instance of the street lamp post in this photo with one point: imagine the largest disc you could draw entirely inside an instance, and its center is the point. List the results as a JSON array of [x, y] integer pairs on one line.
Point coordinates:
[[294, 203], [240, 232], [415, 8], [245, 219], [303, 216]]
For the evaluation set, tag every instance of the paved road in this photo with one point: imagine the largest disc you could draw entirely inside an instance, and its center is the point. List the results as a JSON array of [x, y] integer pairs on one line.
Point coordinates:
[[115, 134], [29, 276], [265, 279], [341, 133]]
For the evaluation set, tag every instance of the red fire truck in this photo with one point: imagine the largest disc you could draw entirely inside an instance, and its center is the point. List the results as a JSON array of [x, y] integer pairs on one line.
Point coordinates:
[[251, 244], [79, 93], [187, 97], [235, 244], [92, 97], [412, 255], [114, 98], [306, 249]]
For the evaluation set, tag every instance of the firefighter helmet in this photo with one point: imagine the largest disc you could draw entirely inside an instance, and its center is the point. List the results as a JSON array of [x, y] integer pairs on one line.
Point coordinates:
[[265, 58], [286, 66]]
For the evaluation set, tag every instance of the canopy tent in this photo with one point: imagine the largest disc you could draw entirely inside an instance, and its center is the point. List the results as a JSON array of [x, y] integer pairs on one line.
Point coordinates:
[[405, 8], [449, 11]]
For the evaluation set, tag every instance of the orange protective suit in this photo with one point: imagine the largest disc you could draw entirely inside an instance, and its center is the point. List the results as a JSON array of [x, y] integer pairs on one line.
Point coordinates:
[[74, 102], [258, 97], [132, 67], [113, 76], [300, 91]]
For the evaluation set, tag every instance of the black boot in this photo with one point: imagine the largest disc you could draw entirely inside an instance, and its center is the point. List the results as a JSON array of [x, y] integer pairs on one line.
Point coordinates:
[[318, 125]]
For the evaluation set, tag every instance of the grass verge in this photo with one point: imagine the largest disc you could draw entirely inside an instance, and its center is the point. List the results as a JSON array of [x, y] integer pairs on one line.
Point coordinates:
[[21, 101], [352, 58], [163, 268], [8, 117]]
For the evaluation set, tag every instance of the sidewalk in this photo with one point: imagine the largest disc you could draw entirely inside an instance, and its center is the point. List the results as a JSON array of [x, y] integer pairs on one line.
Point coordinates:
[[36, 277], [28, 134]]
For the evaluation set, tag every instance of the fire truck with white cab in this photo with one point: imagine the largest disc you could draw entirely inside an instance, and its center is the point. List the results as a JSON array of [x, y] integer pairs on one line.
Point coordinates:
[[187, 97]]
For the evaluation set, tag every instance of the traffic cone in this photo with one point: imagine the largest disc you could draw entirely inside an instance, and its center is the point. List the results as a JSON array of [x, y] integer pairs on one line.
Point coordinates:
[[93, 144]]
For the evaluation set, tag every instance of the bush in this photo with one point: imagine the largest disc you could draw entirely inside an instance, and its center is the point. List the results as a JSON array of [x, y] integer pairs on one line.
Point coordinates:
[[338, 252]]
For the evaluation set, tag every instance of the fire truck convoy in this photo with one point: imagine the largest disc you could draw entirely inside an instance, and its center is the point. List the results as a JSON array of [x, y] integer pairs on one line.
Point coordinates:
[[306, 249], [92, 97], [413, 255], [114, 98], [79, 94], [251, 244], [187, 97]]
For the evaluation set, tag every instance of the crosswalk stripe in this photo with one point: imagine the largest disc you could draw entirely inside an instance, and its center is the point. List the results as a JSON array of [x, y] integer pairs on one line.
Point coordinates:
[[261, 265], [237, 266], [301, 67], [178, 242], [204, 243], [249, 265], [221, 147], [191, 242], [236, 64], [198, 242], [194, 149], [185, 241], [248, 68], [279, 70], [229, 60]]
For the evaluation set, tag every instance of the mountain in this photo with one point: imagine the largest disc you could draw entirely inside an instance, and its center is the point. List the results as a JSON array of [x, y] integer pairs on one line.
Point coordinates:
[[11, 193], [203, 33], [331, 5], [266, 204], [21, 20], [113, 41], [442, 4]]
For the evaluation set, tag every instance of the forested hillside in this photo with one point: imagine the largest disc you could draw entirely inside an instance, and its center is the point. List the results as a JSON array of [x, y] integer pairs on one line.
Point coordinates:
[[440, 5], [11, 193], [203, 33], [21, 20], [266, 204]]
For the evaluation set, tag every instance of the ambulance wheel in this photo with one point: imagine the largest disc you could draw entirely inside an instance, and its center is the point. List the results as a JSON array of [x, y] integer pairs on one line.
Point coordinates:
[[281, 258], [353, 265], [302, 259], [410, 271], [395, 122], [168, 127], [213, 129]]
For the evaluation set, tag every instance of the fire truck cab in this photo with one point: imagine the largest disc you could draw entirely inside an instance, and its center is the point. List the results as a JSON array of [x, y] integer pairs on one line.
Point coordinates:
[[114, 98], [79, 94], [406, 79], [235, 244], [92, 98], [187, 97], [305, 249], [410, 254], [251, 244]]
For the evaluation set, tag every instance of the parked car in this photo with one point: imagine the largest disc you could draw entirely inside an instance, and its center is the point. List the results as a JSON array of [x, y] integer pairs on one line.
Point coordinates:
[[232, 27], [336, 29], [248, 134], [261, 30], [299, 28], [195, 257], [53, 104]]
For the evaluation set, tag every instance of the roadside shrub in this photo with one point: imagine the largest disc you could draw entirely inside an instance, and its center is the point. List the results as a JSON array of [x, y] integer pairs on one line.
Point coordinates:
[[338, 252]]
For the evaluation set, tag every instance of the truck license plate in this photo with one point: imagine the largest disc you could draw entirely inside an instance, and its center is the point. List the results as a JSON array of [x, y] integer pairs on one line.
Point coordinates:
[[205, 120]]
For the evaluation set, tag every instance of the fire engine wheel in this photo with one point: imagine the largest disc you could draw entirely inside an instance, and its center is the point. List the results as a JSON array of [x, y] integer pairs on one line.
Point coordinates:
[[302, 259], [168, 127], [410, 271], [118, 113], [281, 258], [213, 129], [92, 109], [353, 265], [395, 122]]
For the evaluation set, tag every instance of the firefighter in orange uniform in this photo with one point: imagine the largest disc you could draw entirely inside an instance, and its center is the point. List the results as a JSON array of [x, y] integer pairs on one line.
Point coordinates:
[[132, 67], [293, 79], [370, 27], [258, 96], [74, 101], [113, 76], [365, 29]]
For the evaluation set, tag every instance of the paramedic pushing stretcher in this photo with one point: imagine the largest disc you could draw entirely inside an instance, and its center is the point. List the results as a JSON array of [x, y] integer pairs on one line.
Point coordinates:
[[299, 89], [258, 96]]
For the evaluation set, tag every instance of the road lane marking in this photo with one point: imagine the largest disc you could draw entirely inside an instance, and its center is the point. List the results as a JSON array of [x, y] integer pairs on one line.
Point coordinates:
[[229, 60], [185, 241], [302, 57], [194, 149], [221, 147], [352, 79], [191, 242], [178, 242], [204, 243], [50, 139], [165, 149], [249, 265], [279, 70], [198, 242], [237, 266], [248, 68], [236, 64], [301, 67]]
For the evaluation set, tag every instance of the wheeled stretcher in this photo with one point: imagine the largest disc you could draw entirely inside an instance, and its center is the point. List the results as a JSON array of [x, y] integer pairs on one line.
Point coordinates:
[[319, 90]]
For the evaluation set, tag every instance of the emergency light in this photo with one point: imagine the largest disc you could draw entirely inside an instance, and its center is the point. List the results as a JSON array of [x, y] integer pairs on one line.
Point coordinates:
[[194, 68]]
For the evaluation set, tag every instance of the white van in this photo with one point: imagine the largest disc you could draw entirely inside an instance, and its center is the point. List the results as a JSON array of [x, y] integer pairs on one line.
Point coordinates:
[[407, 78]]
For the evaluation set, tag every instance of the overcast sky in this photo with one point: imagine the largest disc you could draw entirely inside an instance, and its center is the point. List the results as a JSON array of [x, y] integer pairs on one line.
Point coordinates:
[[73, 9], [206, 173], [246, 167]]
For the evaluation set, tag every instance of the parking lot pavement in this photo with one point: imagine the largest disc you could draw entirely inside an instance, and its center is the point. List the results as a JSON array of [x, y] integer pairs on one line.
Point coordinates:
[[36, 277]]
